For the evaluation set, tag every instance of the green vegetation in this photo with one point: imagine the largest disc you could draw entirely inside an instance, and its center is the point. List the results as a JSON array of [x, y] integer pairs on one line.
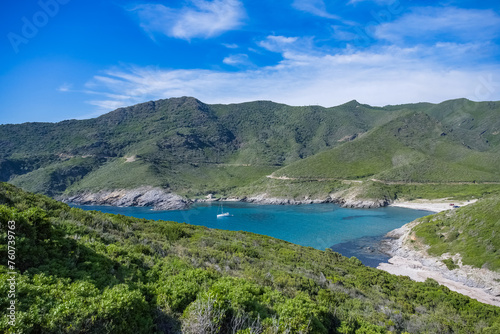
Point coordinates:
[[301, 189], [443, 190], [291, 189], [450, 264], [57, 176], [405, 191], [89, 272], [471, 231], [222, 179], [194, 149], [410, 148], [176, 144], [117, 174]]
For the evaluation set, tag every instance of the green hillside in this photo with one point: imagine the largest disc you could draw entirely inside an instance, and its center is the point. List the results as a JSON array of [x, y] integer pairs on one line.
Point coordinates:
[[192, 148], [410, 148], [471, 231], [173, 140], [89, 272]]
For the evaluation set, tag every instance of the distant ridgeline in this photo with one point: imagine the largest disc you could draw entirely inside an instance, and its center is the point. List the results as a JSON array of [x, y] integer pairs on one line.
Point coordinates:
[[88, 272], [194, 149]]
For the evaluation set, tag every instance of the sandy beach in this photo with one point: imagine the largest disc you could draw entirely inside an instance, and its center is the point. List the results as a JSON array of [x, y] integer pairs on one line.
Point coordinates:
[[434, 205]]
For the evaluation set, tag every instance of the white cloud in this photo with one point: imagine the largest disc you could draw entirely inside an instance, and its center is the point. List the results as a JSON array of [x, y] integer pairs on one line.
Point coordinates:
[[65, 87], [203, 19], [230, 46], [277, 43], [315, 7], [106, 104], [237, 59], [441, 24], [387, 75]]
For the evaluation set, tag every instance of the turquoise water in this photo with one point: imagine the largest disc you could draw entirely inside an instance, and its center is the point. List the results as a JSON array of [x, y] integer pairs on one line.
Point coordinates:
[[314, 225]]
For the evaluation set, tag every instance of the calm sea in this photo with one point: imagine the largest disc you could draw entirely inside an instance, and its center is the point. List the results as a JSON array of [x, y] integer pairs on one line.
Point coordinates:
[[351, 232]]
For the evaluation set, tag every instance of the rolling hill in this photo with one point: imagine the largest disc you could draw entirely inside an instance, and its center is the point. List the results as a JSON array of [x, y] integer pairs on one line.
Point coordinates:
[[193, 149], [414, 147]]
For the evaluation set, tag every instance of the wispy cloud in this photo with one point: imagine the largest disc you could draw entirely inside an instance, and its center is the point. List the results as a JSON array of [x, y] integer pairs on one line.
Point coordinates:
[[230, 45], [200, 19], [106, 104], [425, 54], [431, 24], [315, 7], [277, 43], [65, 87], [387, 75], [240, 59]]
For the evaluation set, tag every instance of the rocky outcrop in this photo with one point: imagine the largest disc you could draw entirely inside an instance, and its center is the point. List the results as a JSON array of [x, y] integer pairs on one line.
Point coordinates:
[[265, 199], [353, 198], [346, 202], [360, 203], [157, 198], [410, 258]]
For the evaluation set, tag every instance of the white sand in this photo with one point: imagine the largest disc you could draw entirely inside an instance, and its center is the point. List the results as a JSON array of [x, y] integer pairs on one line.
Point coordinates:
[[434, 205]]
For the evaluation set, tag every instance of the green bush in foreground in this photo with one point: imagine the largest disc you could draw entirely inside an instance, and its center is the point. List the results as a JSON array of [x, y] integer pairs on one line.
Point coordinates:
[[89, 272]]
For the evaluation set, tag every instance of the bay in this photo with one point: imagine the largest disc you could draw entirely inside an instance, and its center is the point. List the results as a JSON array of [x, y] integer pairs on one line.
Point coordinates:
[[351, 232]]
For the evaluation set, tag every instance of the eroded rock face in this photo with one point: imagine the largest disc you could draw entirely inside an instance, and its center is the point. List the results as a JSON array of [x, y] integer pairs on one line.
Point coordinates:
[[365, 204], [349, 202], [346, 202], [157, 198], [354, 197], [411, 259], [264, 199]]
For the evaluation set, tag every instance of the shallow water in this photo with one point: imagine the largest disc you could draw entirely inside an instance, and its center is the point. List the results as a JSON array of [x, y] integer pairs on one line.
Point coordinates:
[[351, 232]]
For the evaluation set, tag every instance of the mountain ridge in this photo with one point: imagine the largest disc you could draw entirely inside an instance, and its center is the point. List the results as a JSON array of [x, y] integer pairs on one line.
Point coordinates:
[[188, 147]]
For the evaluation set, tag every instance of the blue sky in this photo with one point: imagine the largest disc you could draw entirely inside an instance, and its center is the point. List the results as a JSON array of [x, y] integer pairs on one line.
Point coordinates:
[[65, 59]]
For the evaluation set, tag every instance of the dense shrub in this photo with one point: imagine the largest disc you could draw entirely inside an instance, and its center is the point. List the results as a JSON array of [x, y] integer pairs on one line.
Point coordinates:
[[89, 272]]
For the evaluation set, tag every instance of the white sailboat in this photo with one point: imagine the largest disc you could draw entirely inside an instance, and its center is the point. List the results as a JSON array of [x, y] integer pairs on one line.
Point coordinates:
[[222, 213]]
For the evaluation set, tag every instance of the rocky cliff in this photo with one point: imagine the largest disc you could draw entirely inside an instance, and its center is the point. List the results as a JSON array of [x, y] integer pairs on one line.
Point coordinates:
[[157, 198]]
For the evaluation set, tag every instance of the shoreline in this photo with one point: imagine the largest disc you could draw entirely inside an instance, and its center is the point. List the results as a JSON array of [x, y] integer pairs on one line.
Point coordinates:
[[419, 272], [434, 205], [477, 283], [403, 261], [161, 199]]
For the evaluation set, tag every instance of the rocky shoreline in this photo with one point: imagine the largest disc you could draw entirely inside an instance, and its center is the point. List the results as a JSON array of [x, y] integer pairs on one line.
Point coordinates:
[[156, 198], [160, 199], [264, 198], [409, 258], [405, 258]]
